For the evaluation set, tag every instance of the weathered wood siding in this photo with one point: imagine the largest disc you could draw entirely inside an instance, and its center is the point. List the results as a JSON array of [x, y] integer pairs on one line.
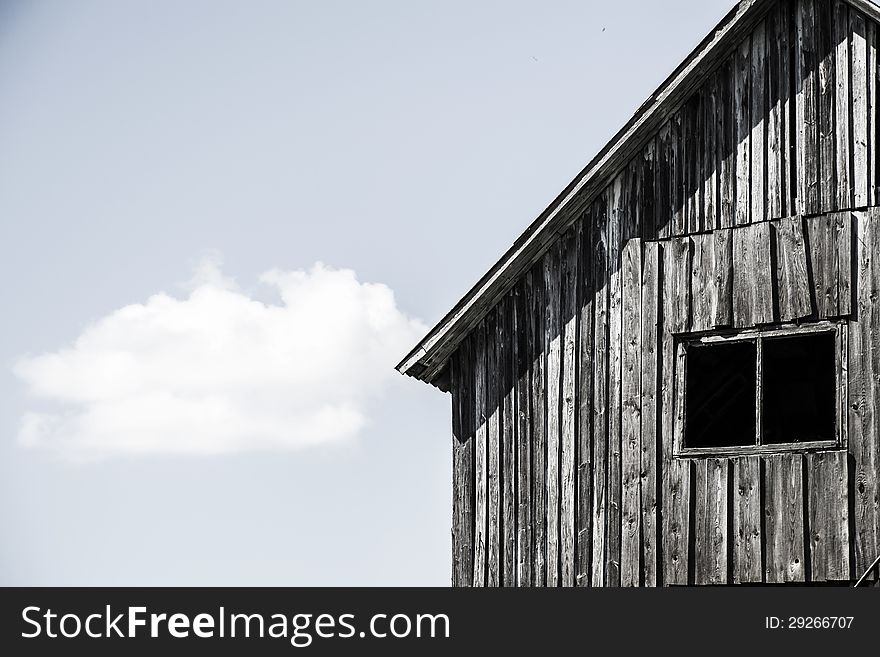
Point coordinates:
[[752, 206]]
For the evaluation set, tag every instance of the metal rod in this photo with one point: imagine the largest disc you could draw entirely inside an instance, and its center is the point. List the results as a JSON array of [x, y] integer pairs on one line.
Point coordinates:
[[870, 568]]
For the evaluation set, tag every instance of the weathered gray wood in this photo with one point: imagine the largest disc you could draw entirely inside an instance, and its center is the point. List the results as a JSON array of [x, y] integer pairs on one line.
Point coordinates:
[[842, 105], [746, 503], [569, 322], [508, 443], [843, 228], [692, 134], [871, 44], [493, 446], [711, 154], [758, 120], [662, 203], [830, 239], [535, 292], [826, 91], [743, 278], [675, 474], [523, 359], [711, 516], [752, 276], [807, 108], [677, 285], [859, 109], [481, 464], [631, 423], [676, 175], [600, 393], [584, 444], [676, 493], [784, 505], [615, 348], [788, 96], [650, 383], [777, 92], [727, 144], [763, 313], [704, 294], [723, 263], [463, 431], [792, 279], [648, 193], [828, 516], [742, 106], [553, 341], [864, 398]]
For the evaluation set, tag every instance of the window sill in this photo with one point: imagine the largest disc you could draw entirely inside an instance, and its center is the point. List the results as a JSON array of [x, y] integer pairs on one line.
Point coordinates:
[[757, 450]]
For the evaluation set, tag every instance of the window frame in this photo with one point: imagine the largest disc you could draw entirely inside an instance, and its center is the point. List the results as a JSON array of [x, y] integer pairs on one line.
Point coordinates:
[[758, 335]]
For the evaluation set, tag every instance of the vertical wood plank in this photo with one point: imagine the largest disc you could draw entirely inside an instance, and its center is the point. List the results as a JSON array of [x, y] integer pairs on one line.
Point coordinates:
[[763, 313], [758, 98], [523, 436], [827, 91], [567, 447], [481, 465], [792, 280], [662, 203], [744, 278], [777, 90], [647, 199], [651, 295], [842, 105], [676, 174], [843, 226], [535, 287], [723, 265], [463, 430], [600, 392], [860, 73], [871, 44], [692, 130], [742, 107], [784, 505], [752, 276], [615, 317], [631, 423], [704, 295], [747, 539], [676, 285], [711, 514], [553, 340], [493, 442], [508, 443], [806, 109], [675, 473], [828, 516], [727, 143], [864, 400], [711, 130], [584, 525]]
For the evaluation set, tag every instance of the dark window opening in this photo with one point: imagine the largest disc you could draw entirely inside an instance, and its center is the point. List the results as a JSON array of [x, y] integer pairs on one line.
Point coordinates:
[[774, 389], [799, 389], [720, 397]]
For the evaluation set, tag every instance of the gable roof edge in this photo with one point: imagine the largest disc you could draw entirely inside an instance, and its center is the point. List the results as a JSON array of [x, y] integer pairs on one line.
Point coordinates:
[[428, 358]]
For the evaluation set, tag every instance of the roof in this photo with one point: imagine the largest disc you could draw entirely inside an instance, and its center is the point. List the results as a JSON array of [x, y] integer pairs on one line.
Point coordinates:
[[428, 358]]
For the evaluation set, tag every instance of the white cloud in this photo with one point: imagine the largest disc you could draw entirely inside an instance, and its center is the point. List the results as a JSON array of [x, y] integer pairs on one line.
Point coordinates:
[[220, 372]]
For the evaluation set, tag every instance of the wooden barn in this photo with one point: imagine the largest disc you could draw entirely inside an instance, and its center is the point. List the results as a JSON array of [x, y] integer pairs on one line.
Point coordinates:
[[673, 376]]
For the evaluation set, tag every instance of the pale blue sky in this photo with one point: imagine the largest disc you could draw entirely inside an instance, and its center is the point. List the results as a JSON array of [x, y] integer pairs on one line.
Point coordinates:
[[409, 141]]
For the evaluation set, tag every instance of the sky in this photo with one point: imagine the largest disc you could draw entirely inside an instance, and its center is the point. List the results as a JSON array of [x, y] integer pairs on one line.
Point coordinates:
[[221, 226]]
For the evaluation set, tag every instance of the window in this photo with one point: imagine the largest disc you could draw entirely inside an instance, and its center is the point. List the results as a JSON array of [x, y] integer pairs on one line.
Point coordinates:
[[760, 390]]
